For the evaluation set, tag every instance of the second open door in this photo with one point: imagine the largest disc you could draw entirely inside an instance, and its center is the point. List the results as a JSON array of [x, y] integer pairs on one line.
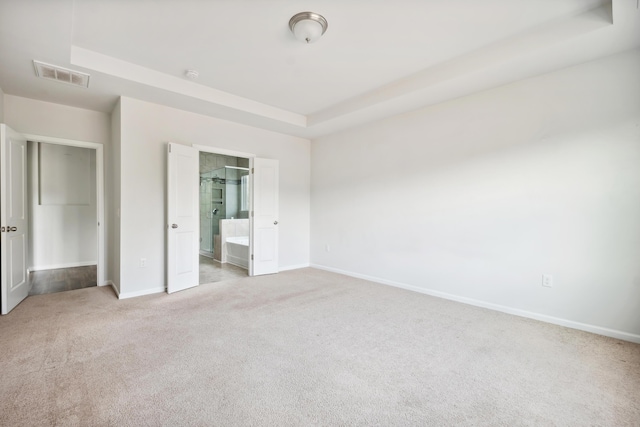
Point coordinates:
[[264, 221]]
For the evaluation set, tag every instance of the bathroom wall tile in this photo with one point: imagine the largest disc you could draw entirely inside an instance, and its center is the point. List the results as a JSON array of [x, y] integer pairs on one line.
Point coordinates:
[[220, 161]]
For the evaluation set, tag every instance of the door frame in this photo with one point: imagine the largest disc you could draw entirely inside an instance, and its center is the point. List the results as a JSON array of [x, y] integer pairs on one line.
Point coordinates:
[[250, 156], [100, 202]]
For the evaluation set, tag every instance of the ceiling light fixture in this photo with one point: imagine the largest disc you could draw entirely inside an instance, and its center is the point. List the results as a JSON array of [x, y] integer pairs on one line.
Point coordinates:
[[308, 26]]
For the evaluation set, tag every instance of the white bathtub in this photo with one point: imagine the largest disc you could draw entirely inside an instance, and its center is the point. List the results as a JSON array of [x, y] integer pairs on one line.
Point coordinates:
[[238, 251]]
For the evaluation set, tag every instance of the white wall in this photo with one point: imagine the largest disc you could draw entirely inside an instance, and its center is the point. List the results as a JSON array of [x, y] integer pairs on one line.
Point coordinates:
[[1, 106], [61, 235], [55, 120], [476, 198], [146, 129], [113, 212]]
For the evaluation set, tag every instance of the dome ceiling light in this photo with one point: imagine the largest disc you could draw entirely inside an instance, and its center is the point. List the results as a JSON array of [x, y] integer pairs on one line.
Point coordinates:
[[308, 26]]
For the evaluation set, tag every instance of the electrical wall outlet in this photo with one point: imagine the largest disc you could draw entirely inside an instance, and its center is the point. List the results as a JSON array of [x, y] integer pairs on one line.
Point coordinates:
[[547, 281], [143, 262]]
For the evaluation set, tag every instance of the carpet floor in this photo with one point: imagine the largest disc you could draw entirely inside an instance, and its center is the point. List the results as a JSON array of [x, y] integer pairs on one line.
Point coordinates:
[[304, 347]]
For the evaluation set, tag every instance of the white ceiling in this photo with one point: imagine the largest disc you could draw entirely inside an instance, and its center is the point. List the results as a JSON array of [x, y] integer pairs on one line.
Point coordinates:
[[377, 58]]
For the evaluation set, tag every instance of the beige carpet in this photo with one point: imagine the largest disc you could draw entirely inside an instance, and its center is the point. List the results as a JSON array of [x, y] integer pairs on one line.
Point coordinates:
[[303, 347]]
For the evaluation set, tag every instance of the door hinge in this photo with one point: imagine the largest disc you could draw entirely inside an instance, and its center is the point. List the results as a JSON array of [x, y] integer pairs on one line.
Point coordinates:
[[169, 147], [251, 214], [252, 170], [251, 257]]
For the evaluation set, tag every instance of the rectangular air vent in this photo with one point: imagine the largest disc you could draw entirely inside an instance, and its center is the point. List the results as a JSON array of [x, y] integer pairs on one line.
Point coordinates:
[[60, 74]]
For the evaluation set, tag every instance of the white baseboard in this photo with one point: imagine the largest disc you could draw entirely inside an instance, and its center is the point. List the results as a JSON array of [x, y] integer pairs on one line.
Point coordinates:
[[625, 336], [237, 261], [126, 295], [66, 265], [113, 286], [293, 267]]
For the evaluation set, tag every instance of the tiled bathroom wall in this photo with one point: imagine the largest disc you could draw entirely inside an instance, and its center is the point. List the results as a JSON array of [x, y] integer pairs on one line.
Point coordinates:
[[206, 223], [211, 161]]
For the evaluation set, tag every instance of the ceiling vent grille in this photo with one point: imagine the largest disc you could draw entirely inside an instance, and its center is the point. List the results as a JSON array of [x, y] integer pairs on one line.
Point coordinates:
[[64, 75]]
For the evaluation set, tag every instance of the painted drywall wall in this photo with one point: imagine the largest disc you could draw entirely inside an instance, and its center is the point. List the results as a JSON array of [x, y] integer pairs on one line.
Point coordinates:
[[146, 129], [55, 120], [1, 106], [63, 233], [476, 198], [113, 210]]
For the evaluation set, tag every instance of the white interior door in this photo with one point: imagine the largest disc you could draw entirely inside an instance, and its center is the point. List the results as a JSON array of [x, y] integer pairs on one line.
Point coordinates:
[[264, 224], [13, 218], [183, 216]]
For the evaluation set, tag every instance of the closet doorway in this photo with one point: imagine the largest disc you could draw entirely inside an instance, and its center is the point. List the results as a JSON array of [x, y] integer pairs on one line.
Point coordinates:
[[65, 201]]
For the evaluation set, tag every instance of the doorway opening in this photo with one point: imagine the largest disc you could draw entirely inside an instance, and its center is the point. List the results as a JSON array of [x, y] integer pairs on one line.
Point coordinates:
[[62, 194], [224, 200]]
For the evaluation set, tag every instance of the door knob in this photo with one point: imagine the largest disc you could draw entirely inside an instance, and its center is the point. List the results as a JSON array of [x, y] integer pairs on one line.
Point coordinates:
[[275, 222], [174, 225], [13, 228]]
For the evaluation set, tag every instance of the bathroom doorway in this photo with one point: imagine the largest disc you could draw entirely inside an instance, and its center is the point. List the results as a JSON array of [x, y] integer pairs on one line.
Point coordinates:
[[184, 215], [224, 217]]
